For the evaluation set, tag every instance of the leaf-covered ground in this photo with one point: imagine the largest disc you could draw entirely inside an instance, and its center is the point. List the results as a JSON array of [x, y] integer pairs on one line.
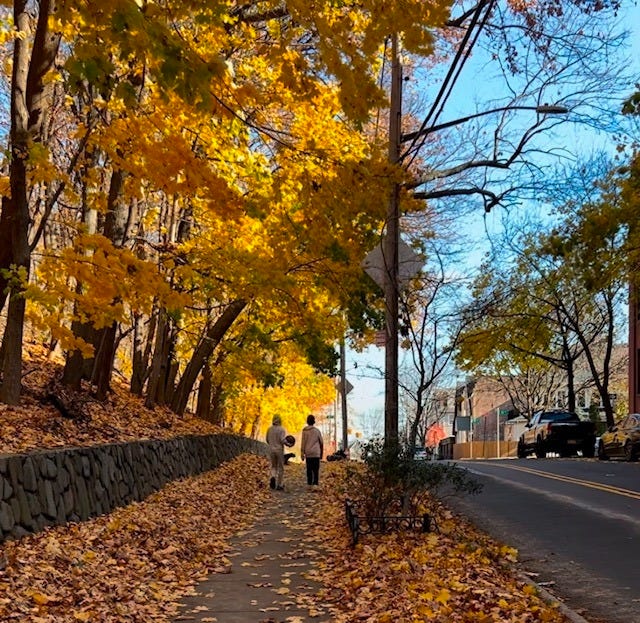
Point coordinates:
[[453, 574], [135, 564], [37, 423]]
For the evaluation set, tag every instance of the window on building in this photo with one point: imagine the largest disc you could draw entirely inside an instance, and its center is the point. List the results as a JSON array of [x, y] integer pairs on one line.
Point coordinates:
[[560, 399]]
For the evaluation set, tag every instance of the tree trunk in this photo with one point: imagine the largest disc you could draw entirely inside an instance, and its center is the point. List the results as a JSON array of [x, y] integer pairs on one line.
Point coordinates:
[[217, 405], [415, 427], [163, 370], [77, 367], [571, 379], [602, 378], [72, 374], [11, 386], [159, 363], [203, 408], [140, 366], [18, 209], [99, 368], [202, 353], [5, 251], [115, 229], [255, 426], [172, 374], [29, 106], [103, 361]]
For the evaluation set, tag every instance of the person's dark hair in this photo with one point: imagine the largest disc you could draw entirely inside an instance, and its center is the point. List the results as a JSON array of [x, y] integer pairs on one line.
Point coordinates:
[[311, 420]]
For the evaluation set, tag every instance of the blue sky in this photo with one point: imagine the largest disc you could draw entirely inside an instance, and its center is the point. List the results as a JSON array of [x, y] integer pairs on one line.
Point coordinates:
[[366, 400]]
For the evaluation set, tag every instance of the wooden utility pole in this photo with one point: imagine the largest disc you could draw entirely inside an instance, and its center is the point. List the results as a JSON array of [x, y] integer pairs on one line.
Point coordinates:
[[343, 395], [391, 262]]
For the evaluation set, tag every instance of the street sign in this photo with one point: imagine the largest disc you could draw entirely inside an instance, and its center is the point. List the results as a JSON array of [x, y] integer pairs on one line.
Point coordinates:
[[409, 264], [463, 423], [348, 386], [380, 339]]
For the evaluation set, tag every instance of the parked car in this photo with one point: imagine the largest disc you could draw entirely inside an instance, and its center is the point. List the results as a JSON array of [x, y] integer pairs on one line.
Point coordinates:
[[557, 431], [420, 453], [621, 440]]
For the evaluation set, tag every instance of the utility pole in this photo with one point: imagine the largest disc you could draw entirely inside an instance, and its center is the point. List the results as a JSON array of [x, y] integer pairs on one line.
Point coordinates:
[[335, 422], [390, 247], [343, 395]]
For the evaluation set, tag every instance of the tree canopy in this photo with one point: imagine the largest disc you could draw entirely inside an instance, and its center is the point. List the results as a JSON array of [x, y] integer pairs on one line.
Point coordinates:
[[190, 187]]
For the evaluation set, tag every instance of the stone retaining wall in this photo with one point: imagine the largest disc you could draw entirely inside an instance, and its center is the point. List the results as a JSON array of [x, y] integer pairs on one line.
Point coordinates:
[[57, 486]]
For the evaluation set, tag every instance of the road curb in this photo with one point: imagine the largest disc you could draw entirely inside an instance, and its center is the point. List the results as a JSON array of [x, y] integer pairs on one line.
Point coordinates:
[[550, 598]]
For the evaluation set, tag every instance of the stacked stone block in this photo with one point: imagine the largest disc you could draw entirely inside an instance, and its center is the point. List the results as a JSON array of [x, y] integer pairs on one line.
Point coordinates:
[[53, 487]]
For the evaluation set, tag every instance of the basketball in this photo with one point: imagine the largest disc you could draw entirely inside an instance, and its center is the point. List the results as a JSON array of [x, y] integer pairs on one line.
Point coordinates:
[[289, 441]]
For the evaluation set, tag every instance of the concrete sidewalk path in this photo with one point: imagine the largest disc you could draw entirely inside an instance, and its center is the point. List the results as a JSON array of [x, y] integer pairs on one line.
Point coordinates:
[[266, 580]]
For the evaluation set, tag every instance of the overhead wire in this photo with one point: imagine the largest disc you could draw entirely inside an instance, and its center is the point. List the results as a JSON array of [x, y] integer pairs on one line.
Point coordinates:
[[461, 57]]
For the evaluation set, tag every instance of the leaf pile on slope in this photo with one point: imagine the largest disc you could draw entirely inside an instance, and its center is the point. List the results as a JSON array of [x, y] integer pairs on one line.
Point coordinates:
[[38, 424], [135, 563], [453, 574]]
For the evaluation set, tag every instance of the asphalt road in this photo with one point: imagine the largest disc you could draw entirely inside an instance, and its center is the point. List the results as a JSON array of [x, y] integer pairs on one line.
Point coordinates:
[[575, 523]]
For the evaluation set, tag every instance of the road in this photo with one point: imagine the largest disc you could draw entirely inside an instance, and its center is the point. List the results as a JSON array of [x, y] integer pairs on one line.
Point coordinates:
[[576, 524]]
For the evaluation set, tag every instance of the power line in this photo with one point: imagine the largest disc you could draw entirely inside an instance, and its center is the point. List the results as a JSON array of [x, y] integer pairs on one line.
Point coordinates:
[[461, 57]]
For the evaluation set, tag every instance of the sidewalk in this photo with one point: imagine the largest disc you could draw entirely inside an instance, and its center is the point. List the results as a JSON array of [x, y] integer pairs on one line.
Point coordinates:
[[266, 580], [443, 576]]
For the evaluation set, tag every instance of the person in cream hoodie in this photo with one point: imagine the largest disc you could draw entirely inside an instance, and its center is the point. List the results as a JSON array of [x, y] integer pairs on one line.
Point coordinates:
[[276, 438]]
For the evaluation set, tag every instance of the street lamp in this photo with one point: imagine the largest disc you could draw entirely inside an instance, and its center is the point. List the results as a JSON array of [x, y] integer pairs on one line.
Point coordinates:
[[391, 242]]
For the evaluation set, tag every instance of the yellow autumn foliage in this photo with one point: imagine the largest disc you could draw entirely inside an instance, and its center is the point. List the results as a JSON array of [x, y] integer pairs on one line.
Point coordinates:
[[301, 391], [217, 152]]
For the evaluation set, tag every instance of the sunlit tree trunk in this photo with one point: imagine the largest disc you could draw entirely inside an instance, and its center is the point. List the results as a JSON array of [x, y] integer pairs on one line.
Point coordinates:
[[104, 339], [202, 353], [255, 426], [77, 367]]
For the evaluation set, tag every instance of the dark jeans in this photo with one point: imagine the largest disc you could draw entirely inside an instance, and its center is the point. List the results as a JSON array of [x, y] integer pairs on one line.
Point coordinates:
[[313, 470]]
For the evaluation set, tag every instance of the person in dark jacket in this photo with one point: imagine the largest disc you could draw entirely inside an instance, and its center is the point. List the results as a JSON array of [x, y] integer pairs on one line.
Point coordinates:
[[312, 450]]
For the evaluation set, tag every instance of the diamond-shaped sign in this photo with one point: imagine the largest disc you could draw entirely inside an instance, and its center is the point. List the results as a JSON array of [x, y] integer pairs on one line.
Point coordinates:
[[409, 264], [348, 386]]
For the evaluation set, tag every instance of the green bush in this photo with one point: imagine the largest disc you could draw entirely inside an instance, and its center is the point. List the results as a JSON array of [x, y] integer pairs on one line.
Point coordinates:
[[391, 482]]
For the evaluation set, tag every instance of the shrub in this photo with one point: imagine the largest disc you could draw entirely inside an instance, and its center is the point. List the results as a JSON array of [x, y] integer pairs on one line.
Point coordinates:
[[391, 482]]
